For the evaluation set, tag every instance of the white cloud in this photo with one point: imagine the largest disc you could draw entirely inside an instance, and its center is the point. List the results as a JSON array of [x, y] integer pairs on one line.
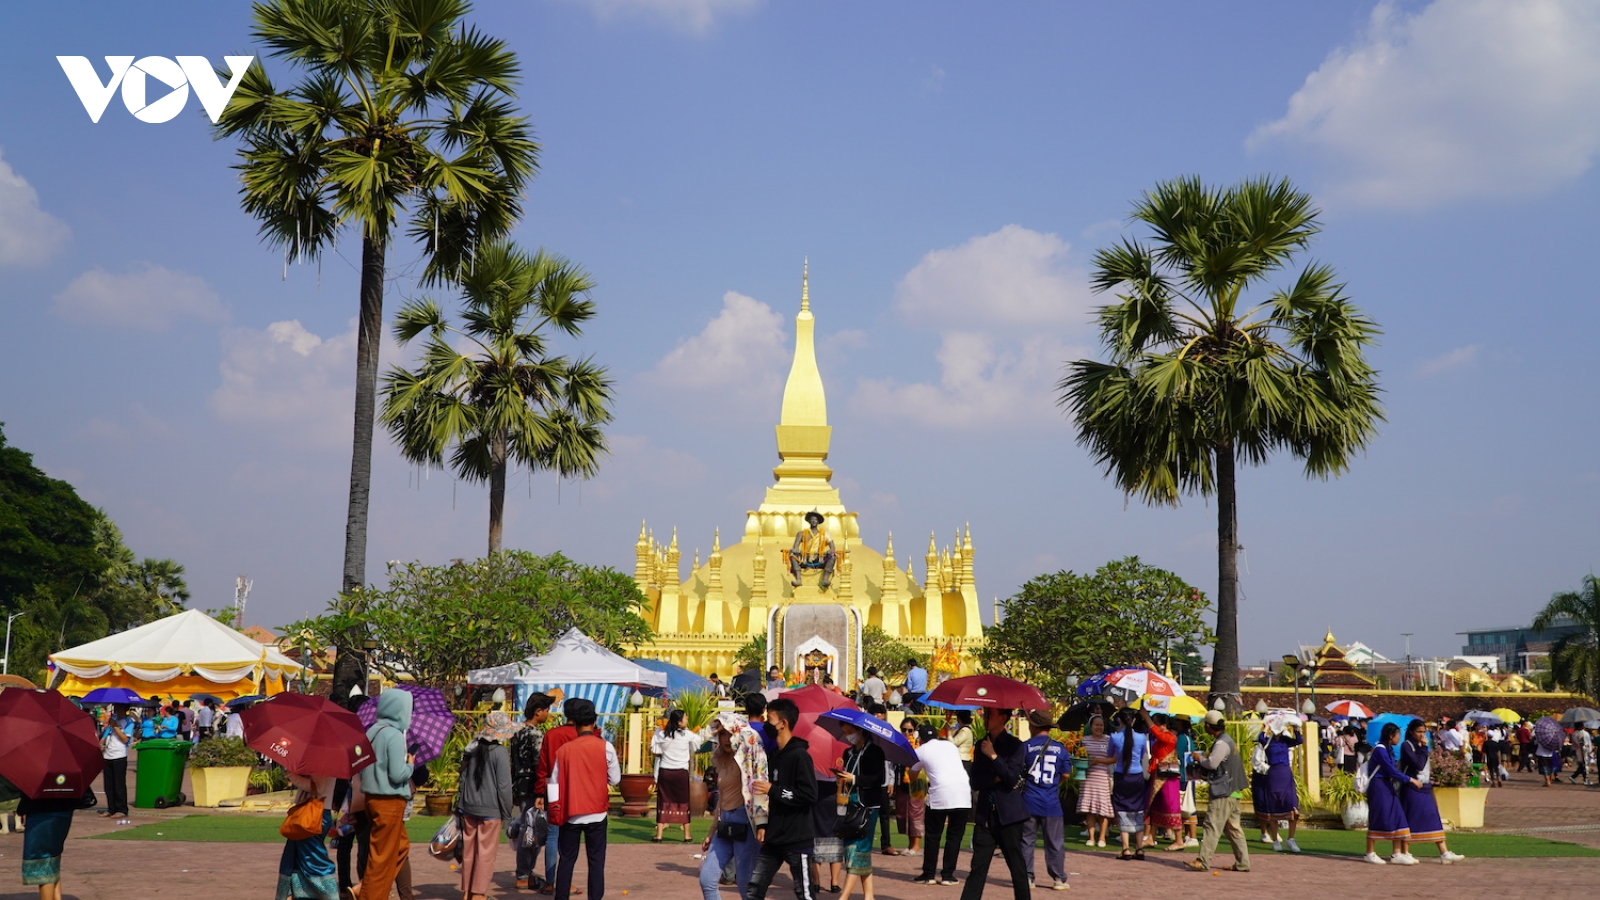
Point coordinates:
[[692, 16], [1464, 98], [1459, 358], [289, 383], [28, 234], [743, 350], [150, 299], [1013, 276], [984, 382]]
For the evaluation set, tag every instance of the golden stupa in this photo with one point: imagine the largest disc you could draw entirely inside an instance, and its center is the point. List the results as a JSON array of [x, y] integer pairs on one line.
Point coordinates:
[[744, 590]]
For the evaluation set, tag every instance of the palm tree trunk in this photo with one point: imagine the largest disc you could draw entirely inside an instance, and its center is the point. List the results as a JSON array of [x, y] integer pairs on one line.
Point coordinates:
[[1225, 656], [497, 490], [369, 337]]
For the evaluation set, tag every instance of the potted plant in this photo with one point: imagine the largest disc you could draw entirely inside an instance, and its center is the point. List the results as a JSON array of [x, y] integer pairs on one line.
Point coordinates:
[[220, 770], [1460, 803], [1339, 794], [444, 774]]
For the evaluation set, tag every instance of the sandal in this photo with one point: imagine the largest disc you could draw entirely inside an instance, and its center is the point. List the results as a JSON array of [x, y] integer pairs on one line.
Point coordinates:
[[1125, 855], [1139, 853], [655, 840], [1235, 868], [1195, 865]]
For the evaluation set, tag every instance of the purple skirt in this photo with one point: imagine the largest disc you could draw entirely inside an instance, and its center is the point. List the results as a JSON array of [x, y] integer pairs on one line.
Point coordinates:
[[1386, 818], [1422, 813], [1273, 794]]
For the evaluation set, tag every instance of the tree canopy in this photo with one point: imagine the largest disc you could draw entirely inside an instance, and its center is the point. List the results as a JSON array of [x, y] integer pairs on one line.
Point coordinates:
[[1068, 625], [1575, 658], [65, 568], [1204, 373], [437, 623]]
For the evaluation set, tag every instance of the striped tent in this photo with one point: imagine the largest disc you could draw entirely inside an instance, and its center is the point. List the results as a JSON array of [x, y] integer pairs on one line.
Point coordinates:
[[578, 667]]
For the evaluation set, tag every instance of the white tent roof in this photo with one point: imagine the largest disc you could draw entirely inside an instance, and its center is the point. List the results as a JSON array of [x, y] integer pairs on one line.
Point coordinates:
[[187, 642], [575, 659]]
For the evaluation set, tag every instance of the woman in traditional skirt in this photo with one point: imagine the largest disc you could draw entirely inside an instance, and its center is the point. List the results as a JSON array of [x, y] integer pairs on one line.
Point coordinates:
[[1273, 792], [827, 851], [1094, 796], [1164, 814], [46, 825], [305, 871], [863, 776], [1386, 818], [1422, 810], [675, 746], [911, 795], [1129, 787]]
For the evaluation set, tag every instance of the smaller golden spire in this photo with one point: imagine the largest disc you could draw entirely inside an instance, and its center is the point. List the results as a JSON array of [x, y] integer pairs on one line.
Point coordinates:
[[716, 541], [805, 285]]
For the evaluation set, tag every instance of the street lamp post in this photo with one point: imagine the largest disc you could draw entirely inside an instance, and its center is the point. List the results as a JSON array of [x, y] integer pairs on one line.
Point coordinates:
[[5, 661], [1405, 680], [368, 645]]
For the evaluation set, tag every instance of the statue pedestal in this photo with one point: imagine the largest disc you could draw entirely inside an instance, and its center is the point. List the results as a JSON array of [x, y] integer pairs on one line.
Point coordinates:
[[808, 591]]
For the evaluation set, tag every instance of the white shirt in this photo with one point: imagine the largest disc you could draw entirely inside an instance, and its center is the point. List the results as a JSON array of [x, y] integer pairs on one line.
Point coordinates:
[[948, 787], [235, 727], [1450, 739], [874, 687], [675, 751], [111, 748]]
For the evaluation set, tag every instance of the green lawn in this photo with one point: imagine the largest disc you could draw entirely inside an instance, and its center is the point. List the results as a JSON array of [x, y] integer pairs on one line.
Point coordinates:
[[254, 828]]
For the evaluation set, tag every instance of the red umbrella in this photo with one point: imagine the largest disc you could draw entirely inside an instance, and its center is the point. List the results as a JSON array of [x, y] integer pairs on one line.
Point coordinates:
[[308, 735], [989, 690], [814, 700], [48, 746]]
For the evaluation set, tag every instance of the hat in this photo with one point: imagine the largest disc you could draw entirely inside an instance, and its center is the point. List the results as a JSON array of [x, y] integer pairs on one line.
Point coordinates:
[[1214, 717], [497, 727], [1040, 720], [813, 518]]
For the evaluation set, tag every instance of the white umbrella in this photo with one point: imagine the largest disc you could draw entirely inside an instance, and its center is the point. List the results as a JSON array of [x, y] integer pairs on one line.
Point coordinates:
[[1138, 682]]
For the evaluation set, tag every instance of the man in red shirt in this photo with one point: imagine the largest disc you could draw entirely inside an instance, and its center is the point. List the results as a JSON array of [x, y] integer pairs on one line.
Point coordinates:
[[554, 739], [579, 798]]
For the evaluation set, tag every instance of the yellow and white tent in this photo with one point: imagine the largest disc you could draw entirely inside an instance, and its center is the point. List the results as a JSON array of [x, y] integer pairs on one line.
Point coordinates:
[[183, 654]]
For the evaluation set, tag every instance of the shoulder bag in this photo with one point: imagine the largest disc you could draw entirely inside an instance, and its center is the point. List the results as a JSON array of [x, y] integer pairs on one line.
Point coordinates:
[[852, 824], [303, 821]]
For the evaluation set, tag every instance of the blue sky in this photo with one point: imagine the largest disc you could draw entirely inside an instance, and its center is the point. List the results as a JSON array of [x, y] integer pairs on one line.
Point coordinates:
[[948, 169]]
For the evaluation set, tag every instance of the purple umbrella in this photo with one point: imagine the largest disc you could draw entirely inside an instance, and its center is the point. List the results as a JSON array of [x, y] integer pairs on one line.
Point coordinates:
[[431, 720], [896, 748], [1548, 733]]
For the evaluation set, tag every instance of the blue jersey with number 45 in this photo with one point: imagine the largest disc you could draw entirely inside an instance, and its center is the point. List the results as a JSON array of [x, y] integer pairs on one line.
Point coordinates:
[[1048, 763]]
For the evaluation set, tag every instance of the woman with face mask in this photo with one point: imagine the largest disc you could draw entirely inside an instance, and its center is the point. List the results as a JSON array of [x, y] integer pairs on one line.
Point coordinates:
[[862, 774]]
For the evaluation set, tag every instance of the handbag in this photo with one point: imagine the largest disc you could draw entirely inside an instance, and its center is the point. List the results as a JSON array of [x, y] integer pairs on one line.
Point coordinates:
[[89, 800], [303, 821], [446, 842], [852, 824], [733, 831]]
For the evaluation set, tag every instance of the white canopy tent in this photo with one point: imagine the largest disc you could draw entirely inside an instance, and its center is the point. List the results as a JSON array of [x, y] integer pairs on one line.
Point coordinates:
[[184, 653], [579, 667]]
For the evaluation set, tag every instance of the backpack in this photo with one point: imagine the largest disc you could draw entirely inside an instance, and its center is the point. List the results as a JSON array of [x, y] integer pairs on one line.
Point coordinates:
[[1258, 759], [1363, 776]]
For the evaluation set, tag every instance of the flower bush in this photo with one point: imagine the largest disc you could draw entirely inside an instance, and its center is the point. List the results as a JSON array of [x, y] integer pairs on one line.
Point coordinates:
[[1448, 769]]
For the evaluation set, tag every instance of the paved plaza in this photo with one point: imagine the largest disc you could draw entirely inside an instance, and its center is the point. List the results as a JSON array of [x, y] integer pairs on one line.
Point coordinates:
[[118, 870]]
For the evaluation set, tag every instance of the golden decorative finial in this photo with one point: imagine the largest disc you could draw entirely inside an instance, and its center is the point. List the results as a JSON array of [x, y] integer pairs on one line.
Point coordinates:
[[805, 285], [888, 551], [716, 541], [696, 559]]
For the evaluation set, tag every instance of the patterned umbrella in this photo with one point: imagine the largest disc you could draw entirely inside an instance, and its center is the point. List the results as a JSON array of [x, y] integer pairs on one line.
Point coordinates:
[[431, 720], [1548, 734], [1095, 684], [1138, 682], [1350, 708]]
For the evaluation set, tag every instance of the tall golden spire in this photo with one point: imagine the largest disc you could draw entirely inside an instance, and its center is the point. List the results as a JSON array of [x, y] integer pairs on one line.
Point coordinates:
[[803, 476]]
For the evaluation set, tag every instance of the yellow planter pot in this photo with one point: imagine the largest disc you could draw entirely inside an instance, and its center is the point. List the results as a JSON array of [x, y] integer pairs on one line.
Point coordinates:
[[1461, 807], [214, 784]]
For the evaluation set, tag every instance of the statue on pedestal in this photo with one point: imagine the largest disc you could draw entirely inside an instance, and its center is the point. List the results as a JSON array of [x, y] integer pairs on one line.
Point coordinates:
[[812, 549]]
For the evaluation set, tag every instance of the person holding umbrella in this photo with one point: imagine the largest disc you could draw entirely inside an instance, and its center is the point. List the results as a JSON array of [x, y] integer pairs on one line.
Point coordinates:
[[861, 776], [305, 871], [50, 753], [998, 775]]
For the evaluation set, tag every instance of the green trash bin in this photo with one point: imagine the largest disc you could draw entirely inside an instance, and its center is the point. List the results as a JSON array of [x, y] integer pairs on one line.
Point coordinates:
[[159, 782]]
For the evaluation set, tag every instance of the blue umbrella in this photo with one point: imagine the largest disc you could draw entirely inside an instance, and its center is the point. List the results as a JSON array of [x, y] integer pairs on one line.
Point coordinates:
[[246, 700], [1375, 726], [113, 695], [896, 748], [940, 704]]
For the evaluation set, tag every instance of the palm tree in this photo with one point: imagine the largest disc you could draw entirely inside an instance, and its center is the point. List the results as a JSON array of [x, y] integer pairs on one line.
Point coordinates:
[[1575, 658], [1199, 379], [404, 112], [502, 399], [161, 585]]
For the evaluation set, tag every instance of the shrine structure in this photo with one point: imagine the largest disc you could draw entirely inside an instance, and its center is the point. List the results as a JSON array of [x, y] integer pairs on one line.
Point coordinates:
[[814, 629]]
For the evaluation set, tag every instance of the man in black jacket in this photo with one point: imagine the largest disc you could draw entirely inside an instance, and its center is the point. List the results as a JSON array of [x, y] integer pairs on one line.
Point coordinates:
[[998, 766], [791, 792]]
